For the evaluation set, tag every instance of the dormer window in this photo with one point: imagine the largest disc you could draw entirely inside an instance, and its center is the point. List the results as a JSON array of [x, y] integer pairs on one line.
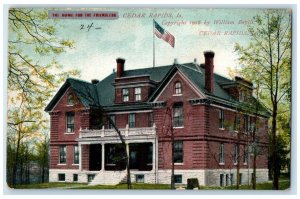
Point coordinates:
[[242, 96], [125, 92], [178, 89], [71, 100], [138, 94]]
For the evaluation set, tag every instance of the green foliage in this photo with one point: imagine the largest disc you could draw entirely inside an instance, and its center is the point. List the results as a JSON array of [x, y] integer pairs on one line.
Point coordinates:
[[266, 61], [33, 76]]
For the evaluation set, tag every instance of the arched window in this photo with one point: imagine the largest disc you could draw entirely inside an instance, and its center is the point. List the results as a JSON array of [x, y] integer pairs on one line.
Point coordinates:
[[70, 99], [178, 88]]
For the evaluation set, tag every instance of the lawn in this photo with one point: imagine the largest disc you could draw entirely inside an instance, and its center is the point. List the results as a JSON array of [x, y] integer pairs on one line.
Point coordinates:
[[283, 184], [48, 185]]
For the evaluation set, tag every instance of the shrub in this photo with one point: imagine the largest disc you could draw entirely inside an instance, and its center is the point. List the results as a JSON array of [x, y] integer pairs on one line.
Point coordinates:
[[192, 183]]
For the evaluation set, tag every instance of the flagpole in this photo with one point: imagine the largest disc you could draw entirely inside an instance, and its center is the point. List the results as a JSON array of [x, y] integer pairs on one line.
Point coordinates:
[[153, 46]]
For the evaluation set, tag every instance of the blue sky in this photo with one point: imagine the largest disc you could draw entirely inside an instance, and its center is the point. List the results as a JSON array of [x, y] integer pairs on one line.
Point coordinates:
[[96, 50]]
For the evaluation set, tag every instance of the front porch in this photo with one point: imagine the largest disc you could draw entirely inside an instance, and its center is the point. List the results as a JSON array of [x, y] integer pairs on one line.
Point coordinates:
[[102, 156]]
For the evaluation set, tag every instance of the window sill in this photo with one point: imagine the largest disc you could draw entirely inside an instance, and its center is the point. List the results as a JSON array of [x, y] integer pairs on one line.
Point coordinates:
[[61, 164], [235, 163], [68, 105], [70, 133], [221, 163], [245, 164], [75, 164], [178, 164], [178, 127], [222, 129], [177, 94]]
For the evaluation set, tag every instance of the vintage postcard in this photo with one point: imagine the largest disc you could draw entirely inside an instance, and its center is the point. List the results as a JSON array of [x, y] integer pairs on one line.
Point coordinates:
[[149, 98]]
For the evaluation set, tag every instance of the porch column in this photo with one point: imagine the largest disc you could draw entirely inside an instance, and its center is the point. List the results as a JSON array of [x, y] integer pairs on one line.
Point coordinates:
[[80, 160], [153, 156], [127, 151], [103, 157]]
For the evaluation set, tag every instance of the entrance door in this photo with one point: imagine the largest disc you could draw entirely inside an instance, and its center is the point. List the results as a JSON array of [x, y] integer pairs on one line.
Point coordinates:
[[95, 157]]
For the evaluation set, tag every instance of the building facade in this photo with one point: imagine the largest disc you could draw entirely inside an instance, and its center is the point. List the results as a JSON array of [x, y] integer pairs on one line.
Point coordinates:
[[214, 123]]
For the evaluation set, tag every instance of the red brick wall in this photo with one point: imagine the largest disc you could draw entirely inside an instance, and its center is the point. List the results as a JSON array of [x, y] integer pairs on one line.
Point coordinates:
[[141, 120], [85, 156], [54, 157], [58, 135], [145, 90]]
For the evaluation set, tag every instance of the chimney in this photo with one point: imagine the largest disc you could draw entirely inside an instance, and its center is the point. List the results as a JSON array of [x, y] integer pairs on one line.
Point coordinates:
[[95, 81], [209, 71], [120, 67]]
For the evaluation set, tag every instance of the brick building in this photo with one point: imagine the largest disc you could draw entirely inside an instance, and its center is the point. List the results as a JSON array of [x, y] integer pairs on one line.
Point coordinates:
[[211, 118]]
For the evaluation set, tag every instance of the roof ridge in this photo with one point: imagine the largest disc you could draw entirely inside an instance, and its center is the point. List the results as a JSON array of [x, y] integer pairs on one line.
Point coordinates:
[[190, 67], [149, 68], [79, 80]]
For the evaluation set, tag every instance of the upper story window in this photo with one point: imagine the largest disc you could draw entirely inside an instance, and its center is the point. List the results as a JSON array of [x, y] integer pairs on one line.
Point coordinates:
[[70, 122], [178, 152], [125, 92], [221, 118], [236, 122], [241, 96], [236, 153], [131, 120], [151, 119], [178, 88], [138, 94], [62, 154], [113, 119], [178, 115], [246, 123], [221, 154], [71, 100]]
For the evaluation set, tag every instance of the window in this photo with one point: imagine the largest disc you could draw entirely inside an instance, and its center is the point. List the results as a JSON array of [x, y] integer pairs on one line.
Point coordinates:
[[236, 122], [221, 155], [245, 155], [227, 180], [75, 177], [90, 177], [70, 122], [62, 154], [61, 177], [231, 179], [178, 115], [76, 154], [178, 88], [236, 153], [178, 179], [246, 123], [139, 178], [138, 94], [151, 119], [125, 92], [113, 119], [241, 96], [221, 179], [221, 118], [131, 120], [178, 152], [71, 100]]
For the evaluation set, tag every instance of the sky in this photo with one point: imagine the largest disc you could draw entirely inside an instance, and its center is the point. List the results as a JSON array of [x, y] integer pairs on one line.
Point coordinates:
[[131, 37]]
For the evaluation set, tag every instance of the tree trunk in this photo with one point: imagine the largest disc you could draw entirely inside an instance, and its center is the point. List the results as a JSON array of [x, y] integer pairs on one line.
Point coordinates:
[[275, 164]]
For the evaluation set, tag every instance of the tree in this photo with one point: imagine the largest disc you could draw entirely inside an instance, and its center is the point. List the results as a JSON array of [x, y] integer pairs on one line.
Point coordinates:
[[33, 74], [267, 60]]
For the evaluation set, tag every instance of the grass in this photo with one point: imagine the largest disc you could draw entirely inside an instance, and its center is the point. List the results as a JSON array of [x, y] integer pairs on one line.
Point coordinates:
[[124, 186], [283, 184], [48, 185]]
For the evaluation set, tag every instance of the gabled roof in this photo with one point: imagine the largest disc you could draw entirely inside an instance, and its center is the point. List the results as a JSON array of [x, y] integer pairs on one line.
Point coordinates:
[[85, 91], [103, 93]]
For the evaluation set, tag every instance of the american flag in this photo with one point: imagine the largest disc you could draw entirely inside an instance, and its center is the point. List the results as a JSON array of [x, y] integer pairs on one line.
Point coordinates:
[[161, 33]]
